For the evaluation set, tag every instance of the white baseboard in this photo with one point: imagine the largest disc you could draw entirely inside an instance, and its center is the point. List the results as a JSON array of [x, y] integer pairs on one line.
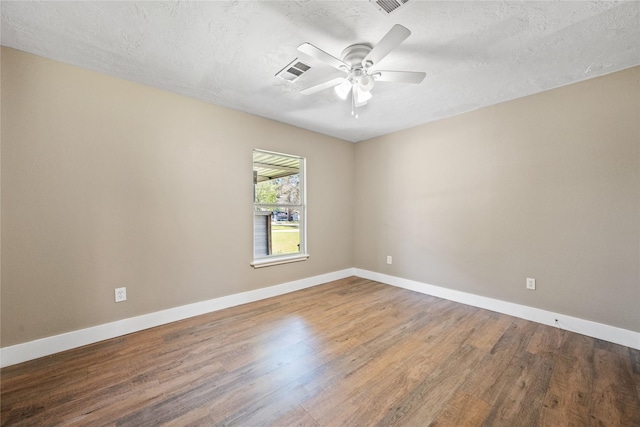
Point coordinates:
[[585, 327], [57, 343]]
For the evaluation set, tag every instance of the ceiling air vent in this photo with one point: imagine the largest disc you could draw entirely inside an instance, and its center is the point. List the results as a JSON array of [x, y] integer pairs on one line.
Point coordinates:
[[292, 71], [388, 6]]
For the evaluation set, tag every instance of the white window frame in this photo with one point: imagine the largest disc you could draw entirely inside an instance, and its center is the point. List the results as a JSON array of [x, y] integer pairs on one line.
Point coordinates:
[[302, 255]]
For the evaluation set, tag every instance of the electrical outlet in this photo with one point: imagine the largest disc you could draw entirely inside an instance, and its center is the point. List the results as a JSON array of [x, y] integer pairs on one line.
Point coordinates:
[[531, 283], [389, 259], [121, 294]]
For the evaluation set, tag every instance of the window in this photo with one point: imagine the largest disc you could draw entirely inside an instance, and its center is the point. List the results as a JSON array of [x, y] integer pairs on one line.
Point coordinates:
[[279, 211]]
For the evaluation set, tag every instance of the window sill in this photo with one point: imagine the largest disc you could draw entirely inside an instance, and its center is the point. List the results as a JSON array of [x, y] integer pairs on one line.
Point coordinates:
[[267, 262]]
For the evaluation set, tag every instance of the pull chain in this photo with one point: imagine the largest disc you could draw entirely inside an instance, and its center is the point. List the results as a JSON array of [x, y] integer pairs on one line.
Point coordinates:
[[353, 102]]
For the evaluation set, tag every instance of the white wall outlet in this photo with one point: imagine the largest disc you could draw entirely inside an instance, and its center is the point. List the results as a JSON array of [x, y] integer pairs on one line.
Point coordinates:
[[531, 283], [121, 294], [389, 259]]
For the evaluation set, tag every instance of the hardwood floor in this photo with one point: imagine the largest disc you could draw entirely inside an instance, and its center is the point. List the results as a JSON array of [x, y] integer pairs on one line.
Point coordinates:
[[351, 352]]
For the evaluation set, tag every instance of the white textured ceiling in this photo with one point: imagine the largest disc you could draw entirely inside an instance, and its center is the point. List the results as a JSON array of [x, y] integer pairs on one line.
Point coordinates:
[[475, 53]]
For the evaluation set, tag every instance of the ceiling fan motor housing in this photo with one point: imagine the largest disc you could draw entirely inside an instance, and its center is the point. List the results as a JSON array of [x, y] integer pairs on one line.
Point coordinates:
[[355, 54]]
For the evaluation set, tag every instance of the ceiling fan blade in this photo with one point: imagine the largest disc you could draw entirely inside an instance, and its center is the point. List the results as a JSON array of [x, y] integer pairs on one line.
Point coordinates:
[[322, 86], [321, 55], [399, 76], [396, 35]]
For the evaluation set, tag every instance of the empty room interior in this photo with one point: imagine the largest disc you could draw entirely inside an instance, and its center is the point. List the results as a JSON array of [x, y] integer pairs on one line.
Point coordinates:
[[314, 213]]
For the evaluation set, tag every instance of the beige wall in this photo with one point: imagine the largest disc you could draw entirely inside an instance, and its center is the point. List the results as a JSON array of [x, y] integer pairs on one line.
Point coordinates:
[[547, 186], [108, 183]]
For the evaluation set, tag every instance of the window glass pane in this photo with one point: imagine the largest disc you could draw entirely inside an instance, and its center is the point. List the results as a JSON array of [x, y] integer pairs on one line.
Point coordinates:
[[276, 231], [285, 232], [278, 204]]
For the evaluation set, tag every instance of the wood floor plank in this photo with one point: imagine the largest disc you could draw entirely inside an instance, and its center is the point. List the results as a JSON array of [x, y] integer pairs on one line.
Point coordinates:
[[357, 388], [297, 417], [634, 360], [489, 331], [269, 406], [196, 418], [546, 341], [462, 410], [415, 360], [519, 401], [568, 396], [422, 405], [614, 392], [343, 375], [349, 352], [488, 380]]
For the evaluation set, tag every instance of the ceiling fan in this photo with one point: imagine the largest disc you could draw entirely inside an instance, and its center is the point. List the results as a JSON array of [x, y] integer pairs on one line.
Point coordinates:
[[359, 62]]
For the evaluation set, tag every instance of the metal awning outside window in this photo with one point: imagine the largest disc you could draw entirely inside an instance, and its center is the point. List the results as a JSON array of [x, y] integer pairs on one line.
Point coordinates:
[[268, 166]]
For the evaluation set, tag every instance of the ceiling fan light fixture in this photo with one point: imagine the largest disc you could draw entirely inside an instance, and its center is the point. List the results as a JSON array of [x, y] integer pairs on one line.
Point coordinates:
[[366, 83], [360, 96], [343, 89]]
